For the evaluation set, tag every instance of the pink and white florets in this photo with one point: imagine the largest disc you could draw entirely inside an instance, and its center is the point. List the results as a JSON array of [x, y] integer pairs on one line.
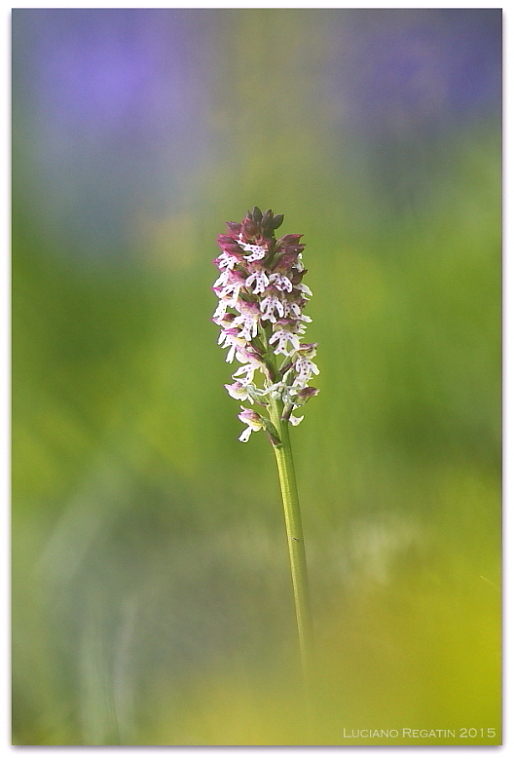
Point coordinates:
[[260, 313]]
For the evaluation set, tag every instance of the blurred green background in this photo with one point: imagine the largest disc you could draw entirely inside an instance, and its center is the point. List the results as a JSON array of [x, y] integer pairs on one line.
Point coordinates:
[[151, 592]]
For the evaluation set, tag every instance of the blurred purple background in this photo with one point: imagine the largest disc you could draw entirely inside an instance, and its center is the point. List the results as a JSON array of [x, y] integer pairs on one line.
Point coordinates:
[[117, 112]]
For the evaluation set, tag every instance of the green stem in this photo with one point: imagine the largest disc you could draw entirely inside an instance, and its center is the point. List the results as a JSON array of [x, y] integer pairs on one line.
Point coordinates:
[[295, 541]]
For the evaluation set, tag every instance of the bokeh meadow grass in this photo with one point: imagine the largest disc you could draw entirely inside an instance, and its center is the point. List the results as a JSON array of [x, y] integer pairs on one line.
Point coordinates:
[[151, 591]]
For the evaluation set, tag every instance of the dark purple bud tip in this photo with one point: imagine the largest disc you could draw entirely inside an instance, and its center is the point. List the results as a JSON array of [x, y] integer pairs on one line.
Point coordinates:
[[225, 240], [306, 393], [249, 228], [277, 221], [256, 214], [290, 240], [298, 276]]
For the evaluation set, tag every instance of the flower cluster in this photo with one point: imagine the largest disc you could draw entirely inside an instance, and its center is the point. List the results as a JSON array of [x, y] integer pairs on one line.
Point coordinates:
[[260, 312]]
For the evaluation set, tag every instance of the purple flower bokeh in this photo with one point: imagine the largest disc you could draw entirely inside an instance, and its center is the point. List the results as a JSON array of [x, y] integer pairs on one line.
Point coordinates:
[[407, 71], [113, 105], [407, 87], [117, 114]]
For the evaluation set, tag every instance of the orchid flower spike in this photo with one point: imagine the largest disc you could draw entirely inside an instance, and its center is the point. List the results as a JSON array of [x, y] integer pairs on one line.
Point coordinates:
[[260, 313]]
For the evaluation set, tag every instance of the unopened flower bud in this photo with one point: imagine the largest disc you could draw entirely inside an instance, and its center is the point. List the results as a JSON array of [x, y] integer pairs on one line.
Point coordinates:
[[305, 394], [257, 214]]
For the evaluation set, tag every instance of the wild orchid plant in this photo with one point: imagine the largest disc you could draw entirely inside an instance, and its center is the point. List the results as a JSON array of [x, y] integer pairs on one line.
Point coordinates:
[[260, 312]]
